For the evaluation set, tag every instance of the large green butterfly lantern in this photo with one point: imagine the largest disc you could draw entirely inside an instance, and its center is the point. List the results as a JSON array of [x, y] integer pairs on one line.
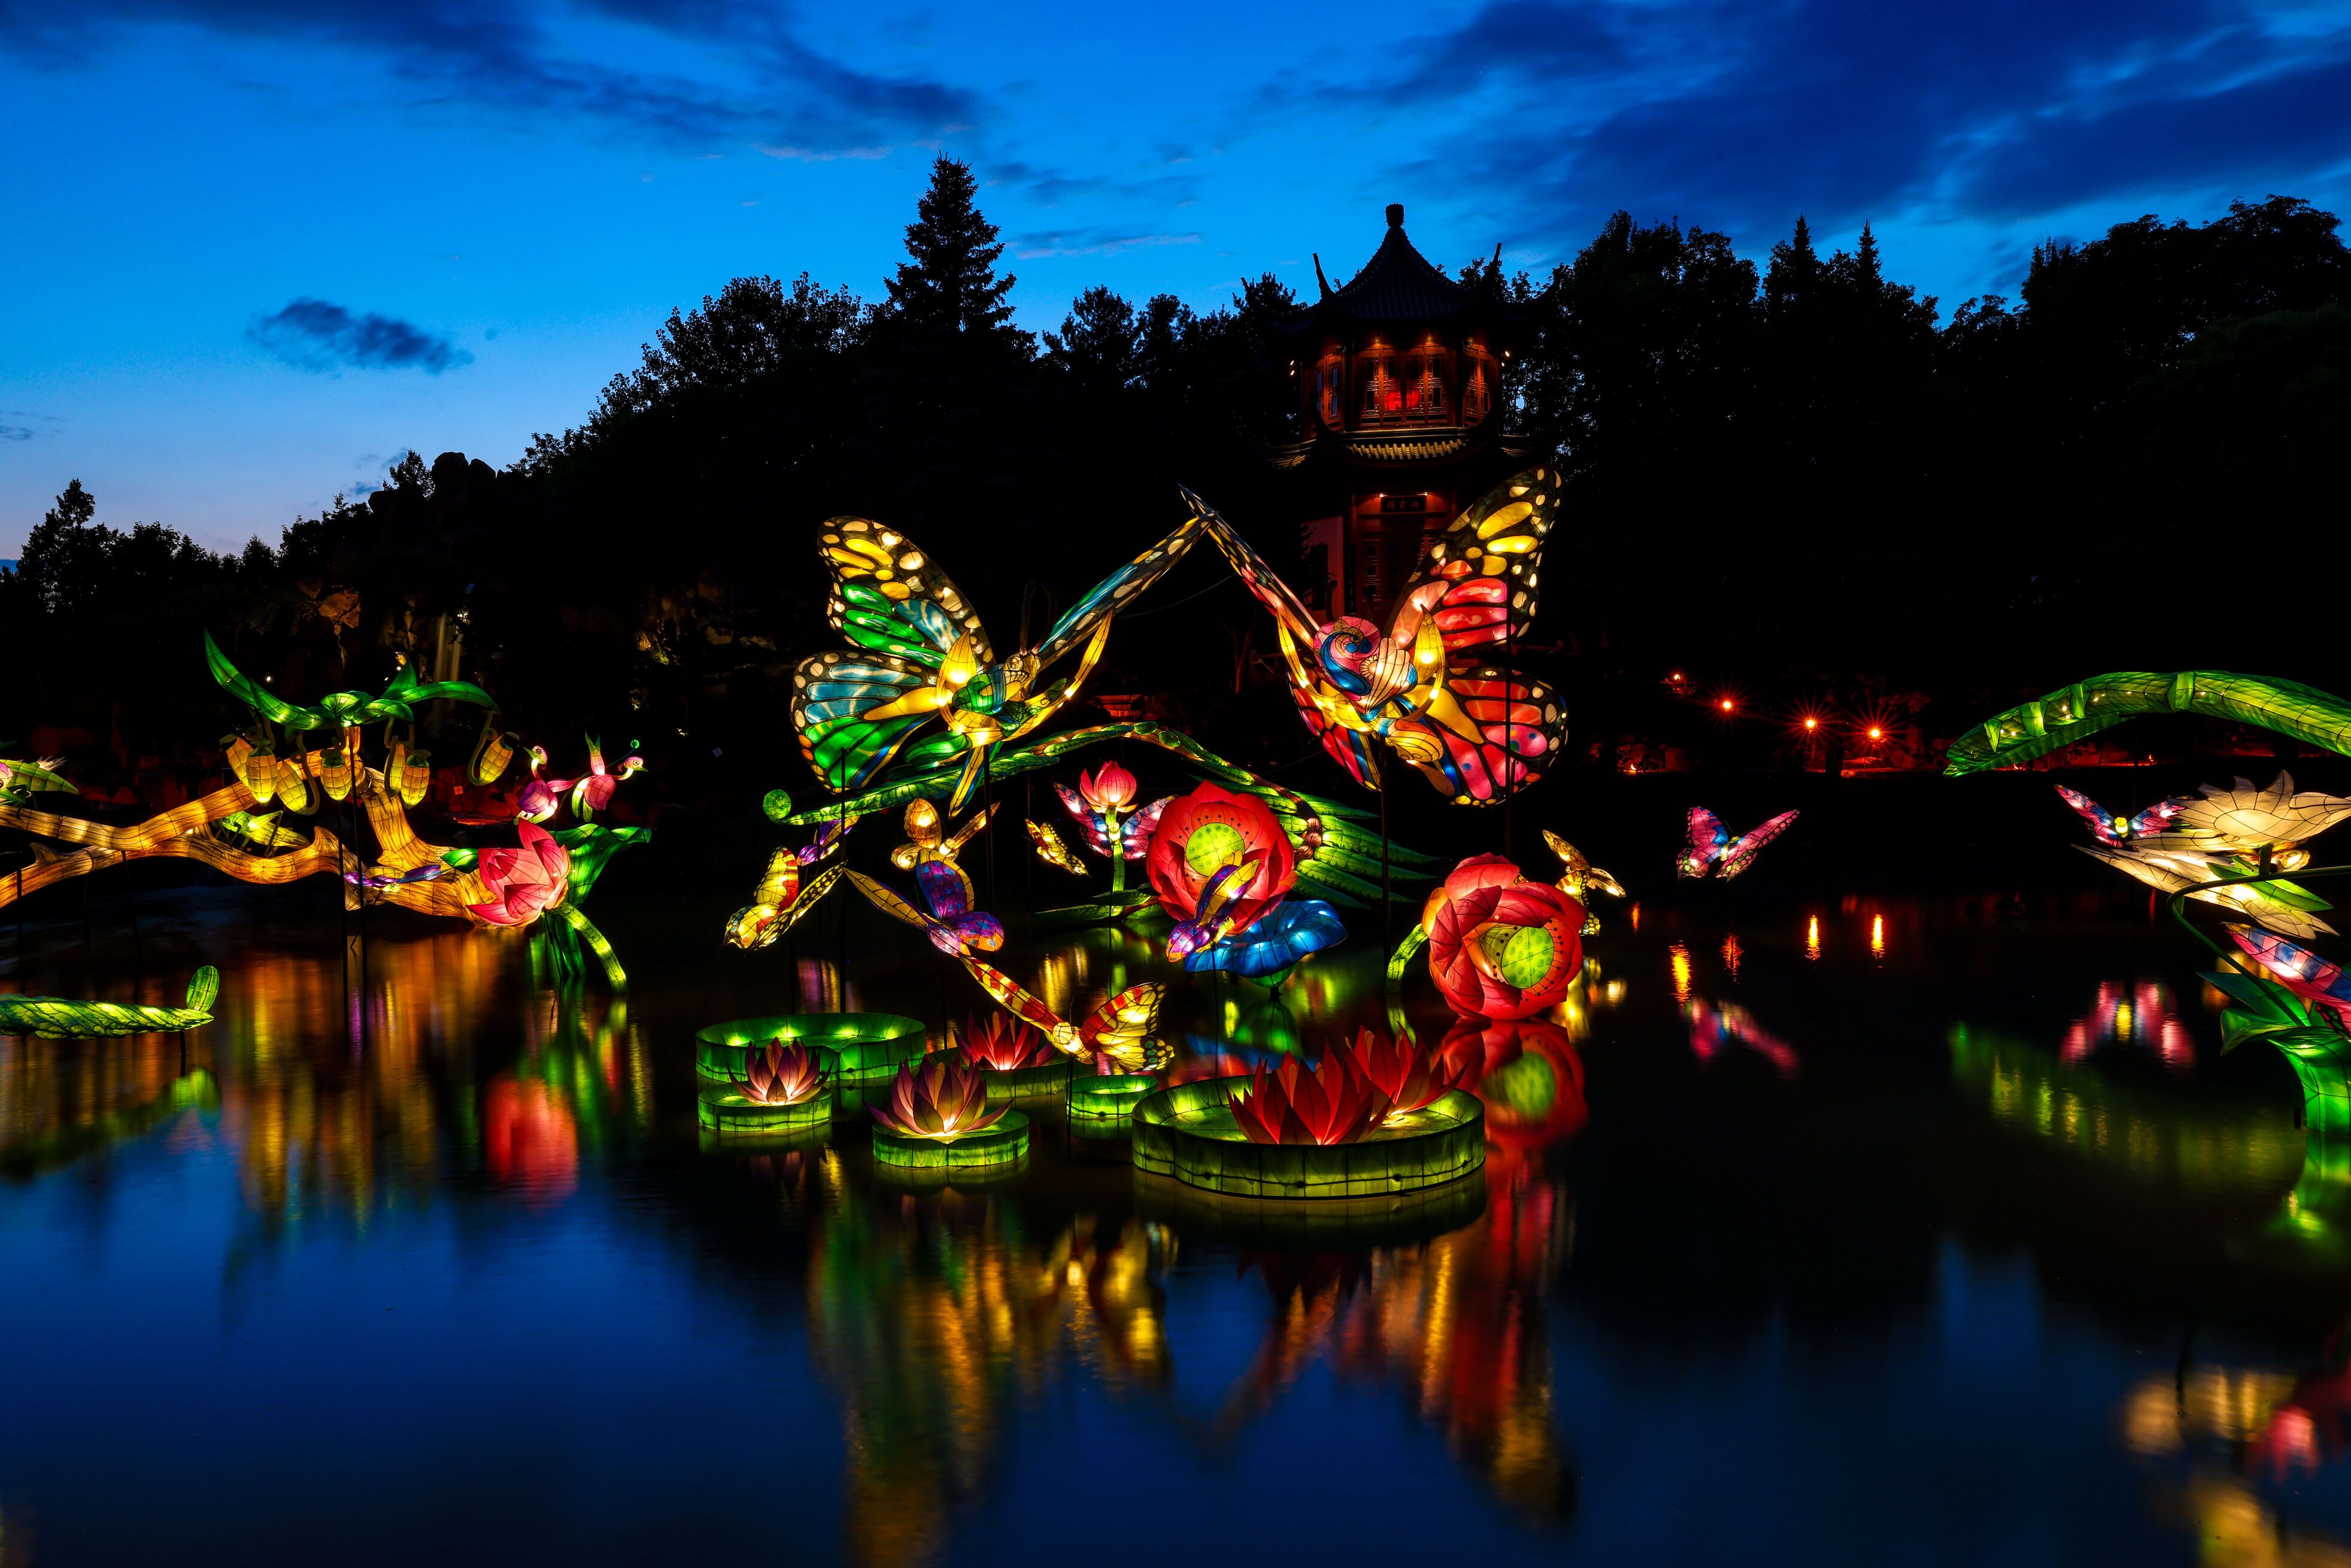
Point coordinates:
[[924, 687]]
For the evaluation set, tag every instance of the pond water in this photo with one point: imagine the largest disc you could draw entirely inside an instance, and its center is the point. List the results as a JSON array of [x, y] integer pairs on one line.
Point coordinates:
[[1844, 1230]]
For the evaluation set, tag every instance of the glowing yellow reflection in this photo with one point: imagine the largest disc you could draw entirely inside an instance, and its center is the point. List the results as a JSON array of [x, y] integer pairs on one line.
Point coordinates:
[[1877, 937], [1813, 937], [1681, 962]]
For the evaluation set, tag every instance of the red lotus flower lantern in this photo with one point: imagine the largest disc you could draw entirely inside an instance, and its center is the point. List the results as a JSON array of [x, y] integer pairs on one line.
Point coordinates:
[[1295, 1106], [1407, 1077], [1500, 946], [1205, 843], [523, 883], [940, 1098], [779, 1075], [1003, 1044]]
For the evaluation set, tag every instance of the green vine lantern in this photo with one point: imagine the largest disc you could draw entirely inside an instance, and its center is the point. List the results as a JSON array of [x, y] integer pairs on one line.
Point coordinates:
[[55, 1017]]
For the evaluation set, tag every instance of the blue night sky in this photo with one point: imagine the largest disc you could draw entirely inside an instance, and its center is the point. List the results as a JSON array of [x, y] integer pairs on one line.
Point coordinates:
[[258, 248]]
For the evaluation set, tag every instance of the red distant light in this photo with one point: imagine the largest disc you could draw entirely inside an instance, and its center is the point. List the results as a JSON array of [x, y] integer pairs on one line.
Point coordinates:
[[1812, 723], [1728, 704], [1875, 733]]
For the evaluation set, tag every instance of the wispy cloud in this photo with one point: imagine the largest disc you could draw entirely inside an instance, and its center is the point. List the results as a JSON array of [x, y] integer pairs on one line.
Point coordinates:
[[1092, 242], [1547, 114], [15, 432], [528, 57], [317, 336]]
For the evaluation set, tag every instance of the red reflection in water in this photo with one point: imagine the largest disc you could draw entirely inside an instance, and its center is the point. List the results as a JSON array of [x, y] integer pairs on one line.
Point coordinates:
[[1714, 1025], [2143, 1015], [530, 1139], [1531, 1080], [2312, 1424]]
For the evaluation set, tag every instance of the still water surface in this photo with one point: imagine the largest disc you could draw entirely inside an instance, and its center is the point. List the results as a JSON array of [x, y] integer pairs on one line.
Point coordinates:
[[1850, 1230]]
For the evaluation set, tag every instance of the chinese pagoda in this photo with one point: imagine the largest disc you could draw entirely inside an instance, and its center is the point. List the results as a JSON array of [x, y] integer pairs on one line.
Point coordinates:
[[1399, 376]]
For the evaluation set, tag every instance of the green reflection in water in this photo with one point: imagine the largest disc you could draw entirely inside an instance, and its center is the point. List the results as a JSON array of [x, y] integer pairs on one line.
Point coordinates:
[[2199, 1145]]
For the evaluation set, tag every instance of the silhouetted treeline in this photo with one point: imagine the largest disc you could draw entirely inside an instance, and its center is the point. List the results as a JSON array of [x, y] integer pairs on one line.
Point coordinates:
[[1793, 480]]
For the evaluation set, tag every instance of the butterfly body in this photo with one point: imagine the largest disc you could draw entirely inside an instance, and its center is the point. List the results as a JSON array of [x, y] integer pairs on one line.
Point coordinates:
[[2112, 828], [1477, 733], [1710, 847]]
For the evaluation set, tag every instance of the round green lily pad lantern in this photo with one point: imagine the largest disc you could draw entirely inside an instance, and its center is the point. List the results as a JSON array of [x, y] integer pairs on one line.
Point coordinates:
[[1001, 1146], [1189, 1131], [1106, 1102], [866, 1047], [720, 1109]]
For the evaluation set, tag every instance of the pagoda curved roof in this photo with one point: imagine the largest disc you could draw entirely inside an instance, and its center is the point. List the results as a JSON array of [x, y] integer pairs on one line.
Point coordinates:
[[1398, 284]]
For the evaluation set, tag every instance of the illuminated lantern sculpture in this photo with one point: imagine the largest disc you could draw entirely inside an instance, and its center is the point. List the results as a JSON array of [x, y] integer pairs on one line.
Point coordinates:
[[923, 656], [1222, 868], [20, 781], [938, 1118], [1335, 1104], [1420, 685], [1710, 847], [784, 897], [524, 881], [55, 1018], [1500, 946]]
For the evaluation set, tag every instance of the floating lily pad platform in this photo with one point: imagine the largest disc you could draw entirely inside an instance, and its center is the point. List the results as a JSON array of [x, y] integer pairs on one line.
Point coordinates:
[[1187, 1131], [1099, 1102], [999, 1148], [1336, 1224], [726, 1111], [865, 1046], [1016, 1084]]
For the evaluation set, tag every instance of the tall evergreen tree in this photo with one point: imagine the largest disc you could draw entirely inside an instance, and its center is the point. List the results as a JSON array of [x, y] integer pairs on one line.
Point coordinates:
[[947, 285]]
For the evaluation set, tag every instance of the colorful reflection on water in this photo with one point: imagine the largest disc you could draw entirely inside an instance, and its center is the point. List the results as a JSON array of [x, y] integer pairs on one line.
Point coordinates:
[[1875, 1230]]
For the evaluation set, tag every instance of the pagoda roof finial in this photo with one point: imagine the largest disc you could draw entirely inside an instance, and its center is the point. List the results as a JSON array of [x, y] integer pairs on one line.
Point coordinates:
[[1395, 215], [1322, 282]]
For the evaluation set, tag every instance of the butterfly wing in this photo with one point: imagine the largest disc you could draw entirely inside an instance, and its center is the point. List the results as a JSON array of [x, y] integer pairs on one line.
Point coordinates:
[[829, 835], [1051, 851], [1118, 1027], [1088, 822], [2101, 821], [2297, 967], [889, 903], [1703, 842], [1516, 725], [1741, 853], [984, 932], [834, 696], [1478, 580], [972, 824], [2157, 818], [1138, 828], [887, 597], [944, 887], [1011, 997], [1111, 595]]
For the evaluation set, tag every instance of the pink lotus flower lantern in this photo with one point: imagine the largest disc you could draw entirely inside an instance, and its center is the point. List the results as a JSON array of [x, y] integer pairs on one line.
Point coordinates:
[[1109, 790], [779, 1075], [938, 1097], [526, 882]]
